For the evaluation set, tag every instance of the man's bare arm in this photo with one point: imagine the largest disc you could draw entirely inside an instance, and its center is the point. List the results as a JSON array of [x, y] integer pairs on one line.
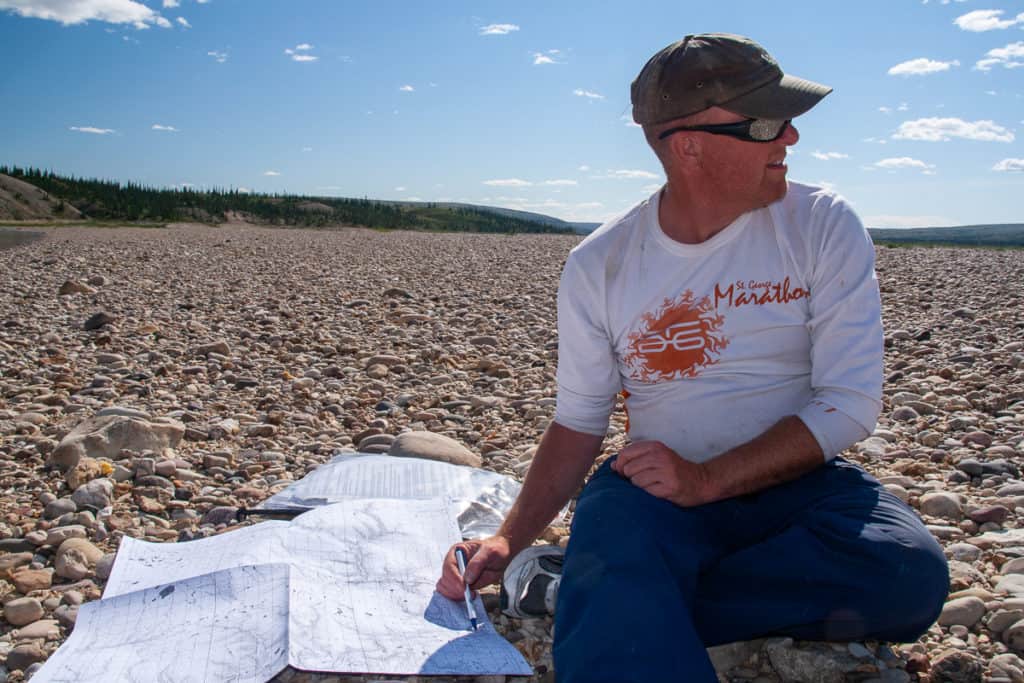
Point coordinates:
[[784, 452], [559, 467], [562, 461]]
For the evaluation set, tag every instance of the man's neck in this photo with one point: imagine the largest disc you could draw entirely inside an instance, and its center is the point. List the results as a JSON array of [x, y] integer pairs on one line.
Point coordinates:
[[685, 218]]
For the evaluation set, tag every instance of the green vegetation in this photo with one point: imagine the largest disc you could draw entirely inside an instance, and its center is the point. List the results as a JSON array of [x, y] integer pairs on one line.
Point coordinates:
[[1004, 235], [104, 200]]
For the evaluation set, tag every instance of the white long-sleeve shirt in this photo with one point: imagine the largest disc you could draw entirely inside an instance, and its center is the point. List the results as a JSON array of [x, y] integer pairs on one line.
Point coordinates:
[[713, 343]]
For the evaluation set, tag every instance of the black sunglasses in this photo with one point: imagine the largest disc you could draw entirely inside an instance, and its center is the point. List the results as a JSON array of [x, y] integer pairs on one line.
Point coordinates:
[[750, 130]]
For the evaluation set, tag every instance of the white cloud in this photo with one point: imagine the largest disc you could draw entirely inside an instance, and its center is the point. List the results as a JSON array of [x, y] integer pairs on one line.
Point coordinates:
[[559, 181], [894, 163], [921, 66], [828, 156], [569, 211], [271, 173], [541, 58], [498, 29], [93, 130], [293, 52], [508, 182], [170, 129], [221, 57], [407, 88], [629, 174], [630, 123], [891, 221], [1013, 165], [583, 168], [399, 189], [183, 22], [878, 141], [885, 110], [171, 3], [941, 130], [903, 107], [1009, 57], [986, 20], [70, 12], [579, 92]]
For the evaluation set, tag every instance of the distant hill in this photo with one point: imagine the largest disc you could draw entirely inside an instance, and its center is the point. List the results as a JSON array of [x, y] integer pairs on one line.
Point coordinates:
[[37, 194], [999, 235], [578, 227], [22, 201]]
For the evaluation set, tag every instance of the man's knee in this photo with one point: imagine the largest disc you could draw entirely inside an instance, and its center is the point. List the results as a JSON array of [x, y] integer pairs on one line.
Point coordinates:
[[896, 568], [913, 597], [612, 507]]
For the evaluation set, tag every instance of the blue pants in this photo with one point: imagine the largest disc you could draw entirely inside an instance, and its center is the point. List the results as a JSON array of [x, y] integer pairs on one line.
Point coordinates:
[[648, 585]]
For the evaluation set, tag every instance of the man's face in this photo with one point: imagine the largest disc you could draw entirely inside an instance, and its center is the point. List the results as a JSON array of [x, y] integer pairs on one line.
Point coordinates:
[[748, 175]]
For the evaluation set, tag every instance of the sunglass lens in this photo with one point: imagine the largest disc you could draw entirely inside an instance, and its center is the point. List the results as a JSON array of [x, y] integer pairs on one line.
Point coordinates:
[[767, 129]]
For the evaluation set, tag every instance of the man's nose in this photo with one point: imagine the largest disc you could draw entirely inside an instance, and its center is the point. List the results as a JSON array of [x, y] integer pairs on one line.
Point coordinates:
[[790, 136]]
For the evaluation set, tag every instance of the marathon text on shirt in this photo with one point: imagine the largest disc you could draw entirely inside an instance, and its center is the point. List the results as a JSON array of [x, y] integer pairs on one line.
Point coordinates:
[[759, 293]]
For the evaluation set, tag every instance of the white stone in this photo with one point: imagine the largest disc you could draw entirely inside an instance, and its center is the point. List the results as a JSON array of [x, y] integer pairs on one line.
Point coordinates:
[[962, 611], [431, 446], [942, 504]]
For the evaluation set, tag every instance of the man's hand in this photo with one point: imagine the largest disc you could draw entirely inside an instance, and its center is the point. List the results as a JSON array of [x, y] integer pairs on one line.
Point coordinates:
[[488, 558], [660, 471]]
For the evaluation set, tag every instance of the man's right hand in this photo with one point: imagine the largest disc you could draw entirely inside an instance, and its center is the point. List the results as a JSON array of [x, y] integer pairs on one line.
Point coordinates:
[[488, 558], [559, 467]]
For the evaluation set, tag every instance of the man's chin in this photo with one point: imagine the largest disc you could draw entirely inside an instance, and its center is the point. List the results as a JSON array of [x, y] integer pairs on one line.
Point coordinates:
[[776, 194]]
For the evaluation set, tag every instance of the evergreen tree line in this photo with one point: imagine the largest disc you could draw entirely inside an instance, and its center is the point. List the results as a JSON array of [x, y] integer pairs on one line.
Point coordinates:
[[113, 201]]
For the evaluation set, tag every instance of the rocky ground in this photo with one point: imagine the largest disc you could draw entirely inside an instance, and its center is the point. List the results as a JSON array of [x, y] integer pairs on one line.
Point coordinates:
[[250, 355]]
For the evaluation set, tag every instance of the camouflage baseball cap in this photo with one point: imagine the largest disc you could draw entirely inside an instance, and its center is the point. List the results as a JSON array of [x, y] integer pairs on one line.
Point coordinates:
[[719, 70]]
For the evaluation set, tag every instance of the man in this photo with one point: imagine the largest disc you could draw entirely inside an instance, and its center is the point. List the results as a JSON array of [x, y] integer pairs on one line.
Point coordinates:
[[739, 314]]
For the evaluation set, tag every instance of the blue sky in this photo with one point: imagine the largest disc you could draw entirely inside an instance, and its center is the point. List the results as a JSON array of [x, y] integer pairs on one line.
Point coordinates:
[[524, 105]]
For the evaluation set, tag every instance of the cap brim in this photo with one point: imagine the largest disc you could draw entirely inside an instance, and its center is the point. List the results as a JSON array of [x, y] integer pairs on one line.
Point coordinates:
[[786, 98]]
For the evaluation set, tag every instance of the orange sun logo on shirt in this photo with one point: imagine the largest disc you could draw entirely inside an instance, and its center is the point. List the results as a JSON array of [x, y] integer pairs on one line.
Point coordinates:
[[678, 340]]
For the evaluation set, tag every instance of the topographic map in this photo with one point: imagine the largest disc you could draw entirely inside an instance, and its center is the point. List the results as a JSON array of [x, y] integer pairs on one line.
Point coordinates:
[[347, 588], [231, 625]]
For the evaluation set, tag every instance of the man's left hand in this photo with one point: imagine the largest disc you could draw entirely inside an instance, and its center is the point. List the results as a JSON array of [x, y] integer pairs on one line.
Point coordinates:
[[660, 471]]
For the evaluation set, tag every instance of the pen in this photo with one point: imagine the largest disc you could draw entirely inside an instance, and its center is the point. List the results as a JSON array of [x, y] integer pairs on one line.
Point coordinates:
[[460, 557]]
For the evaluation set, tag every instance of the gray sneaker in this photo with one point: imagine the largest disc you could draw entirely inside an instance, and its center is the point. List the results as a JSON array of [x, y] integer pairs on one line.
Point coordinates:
[[530, 584]]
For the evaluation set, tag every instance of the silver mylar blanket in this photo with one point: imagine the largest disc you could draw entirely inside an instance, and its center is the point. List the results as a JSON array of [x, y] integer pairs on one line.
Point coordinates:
[[482, 498]]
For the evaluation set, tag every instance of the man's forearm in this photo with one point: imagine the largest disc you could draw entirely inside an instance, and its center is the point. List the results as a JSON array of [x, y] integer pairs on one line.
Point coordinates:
[[783, 453], [559, 467]]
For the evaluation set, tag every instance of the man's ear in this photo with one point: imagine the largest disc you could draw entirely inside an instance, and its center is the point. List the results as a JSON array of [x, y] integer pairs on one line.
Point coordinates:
[[685, 149]]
